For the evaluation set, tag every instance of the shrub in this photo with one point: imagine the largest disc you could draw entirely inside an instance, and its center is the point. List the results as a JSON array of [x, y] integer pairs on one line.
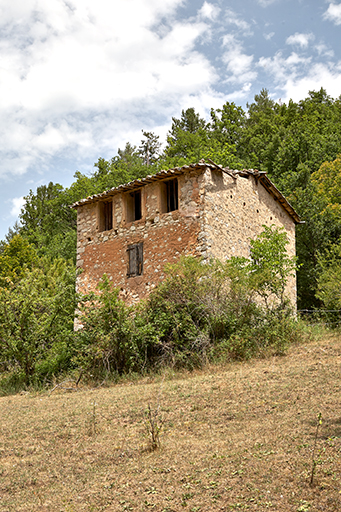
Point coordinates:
[[114, 337], [205, 310], [36, 313]]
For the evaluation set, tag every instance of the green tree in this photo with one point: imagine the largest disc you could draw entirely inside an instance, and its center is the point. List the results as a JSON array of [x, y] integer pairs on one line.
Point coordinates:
[[270, 266], [149, 148], [184, 140], [328, 185], [17, 258], [227, 124], [114, 338], [329, 278], [48, 222], [258, 141], [36, 319]]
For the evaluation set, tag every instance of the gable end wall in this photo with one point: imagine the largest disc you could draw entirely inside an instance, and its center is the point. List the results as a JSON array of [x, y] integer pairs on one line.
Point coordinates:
[[235, 211]]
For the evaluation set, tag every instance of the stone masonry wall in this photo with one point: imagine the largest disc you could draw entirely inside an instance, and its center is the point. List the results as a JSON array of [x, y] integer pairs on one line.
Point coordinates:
[[217, 216], [165, 237], [235, 211]]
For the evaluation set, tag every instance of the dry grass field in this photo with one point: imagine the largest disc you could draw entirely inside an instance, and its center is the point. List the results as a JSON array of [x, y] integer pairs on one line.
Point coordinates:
[[234, 437]]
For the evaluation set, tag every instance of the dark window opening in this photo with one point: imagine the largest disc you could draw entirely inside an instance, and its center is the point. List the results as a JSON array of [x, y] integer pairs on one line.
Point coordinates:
[[134, 208], [105, 216], [169, 196], [135, 260]]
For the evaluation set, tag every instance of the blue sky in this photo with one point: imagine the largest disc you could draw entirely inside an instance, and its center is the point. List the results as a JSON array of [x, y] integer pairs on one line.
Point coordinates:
[[80, 78]]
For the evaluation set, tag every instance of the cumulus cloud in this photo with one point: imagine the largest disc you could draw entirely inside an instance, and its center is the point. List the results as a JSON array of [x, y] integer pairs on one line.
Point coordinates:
[[209, 11], [17, 204], [320, 75], [295, 76], [232, 18], [239, 65], [333, 13], [283, 69], [71, 69], [323, 49], [301, 40]]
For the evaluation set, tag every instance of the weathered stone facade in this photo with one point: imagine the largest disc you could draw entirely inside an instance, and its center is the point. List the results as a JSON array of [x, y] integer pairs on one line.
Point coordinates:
[[132, 231]]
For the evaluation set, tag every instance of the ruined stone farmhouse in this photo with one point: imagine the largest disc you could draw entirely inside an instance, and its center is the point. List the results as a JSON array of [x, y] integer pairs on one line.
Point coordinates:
[[130, 232]]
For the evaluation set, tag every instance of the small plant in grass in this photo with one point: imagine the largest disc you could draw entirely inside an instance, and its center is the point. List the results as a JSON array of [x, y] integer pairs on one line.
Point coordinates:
[[154, 422], [304, 507], [313, 460], [92, 420]]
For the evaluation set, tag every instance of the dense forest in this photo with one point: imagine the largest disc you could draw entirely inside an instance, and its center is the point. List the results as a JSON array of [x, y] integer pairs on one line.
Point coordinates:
[[297, 144]]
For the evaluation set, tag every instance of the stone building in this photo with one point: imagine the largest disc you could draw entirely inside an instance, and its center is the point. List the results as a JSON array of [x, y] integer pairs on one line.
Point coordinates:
[[130, 232]]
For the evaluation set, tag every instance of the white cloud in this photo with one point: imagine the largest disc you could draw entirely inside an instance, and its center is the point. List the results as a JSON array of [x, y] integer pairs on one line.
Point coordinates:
[[333, 13], [320, 75], [239, 65], [269, 36], [283, 68], [76, 75], [323, 49], [17, 204], [209, 11], [295, 76], [301, 40], [265, 3], [233, 19]]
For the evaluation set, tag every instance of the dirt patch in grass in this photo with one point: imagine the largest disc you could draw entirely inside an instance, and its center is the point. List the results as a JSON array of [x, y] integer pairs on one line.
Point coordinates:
[[238, 437]]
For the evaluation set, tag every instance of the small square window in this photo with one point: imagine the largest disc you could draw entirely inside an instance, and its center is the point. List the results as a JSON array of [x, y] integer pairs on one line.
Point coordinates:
[[135, 260]]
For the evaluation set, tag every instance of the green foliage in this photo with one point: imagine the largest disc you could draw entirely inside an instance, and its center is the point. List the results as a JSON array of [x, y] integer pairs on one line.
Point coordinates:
[[193, 309], [227, 124], [192, 139], [150, 148], [271, 333], [270, 266], [202, 308], [36, 319], [17, 258], [327, 181], [112, 340], [200, 311], [329, 278], [48, 223]]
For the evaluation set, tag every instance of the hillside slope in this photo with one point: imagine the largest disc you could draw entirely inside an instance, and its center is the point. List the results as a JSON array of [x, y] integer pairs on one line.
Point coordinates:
[[234, 437]]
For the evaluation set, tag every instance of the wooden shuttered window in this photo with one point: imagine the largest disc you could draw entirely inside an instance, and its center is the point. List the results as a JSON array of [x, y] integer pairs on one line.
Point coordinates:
[[135, 259], [105, 211]]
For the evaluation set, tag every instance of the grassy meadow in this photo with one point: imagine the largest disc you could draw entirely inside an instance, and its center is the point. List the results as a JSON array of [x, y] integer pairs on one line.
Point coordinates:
[[239, 436]]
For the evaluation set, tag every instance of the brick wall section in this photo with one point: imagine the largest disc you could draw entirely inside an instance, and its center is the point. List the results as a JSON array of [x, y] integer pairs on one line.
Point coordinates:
[[217, 216], [165, 237]]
